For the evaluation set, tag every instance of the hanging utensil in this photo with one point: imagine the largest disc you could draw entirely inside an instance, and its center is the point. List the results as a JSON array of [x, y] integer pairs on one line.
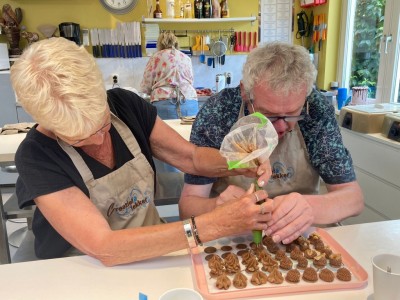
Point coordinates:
[[253, 40], [236, 45], [255, 36], [245, 47], [232, 42], [239, 41], [202, 57], [219, 49], [197, 46]]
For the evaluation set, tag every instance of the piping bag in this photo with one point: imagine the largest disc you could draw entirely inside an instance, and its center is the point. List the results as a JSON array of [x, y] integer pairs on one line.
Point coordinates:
[[251, 140]]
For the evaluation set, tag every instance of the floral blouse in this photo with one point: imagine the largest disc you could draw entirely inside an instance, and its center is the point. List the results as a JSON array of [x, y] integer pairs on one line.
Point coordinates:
[[320, 131], [165, 69]]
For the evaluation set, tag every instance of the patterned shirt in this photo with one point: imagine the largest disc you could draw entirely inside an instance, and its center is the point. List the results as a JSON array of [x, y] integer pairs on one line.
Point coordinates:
[[165, 68], [319, 129]]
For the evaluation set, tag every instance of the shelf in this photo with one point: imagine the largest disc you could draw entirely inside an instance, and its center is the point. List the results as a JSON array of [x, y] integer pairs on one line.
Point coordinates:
[[211, 20]]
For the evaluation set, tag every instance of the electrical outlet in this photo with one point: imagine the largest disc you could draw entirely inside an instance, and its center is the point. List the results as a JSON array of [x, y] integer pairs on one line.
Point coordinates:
[[229, 79], [115, 78]]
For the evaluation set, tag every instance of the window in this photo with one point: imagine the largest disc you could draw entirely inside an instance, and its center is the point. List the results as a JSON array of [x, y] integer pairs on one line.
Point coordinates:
[[368, 55]]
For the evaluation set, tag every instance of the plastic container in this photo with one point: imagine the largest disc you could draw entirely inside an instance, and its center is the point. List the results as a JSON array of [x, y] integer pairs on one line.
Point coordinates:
[[170, 5]]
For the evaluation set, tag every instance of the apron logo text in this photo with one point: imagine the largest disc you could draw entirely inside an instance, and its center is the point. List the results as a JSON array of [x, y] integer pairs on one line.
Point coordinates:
[[136, 200], [281, 172]]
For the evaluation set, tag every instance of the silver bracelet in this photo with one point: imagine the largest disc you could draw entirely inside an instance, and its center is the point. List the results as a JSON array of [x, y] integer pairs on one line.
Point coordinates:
[[196, 233], [187, 227]]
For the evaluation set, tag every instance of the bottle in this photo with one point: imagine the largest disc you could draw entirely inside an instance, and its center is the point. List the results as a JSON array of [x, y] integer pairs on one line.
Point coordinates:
[[224, 9], [182, 10], [177, 9], [207, 9], [170, 4], [157, 12], [216, 9], [188, 10], [198, 9]]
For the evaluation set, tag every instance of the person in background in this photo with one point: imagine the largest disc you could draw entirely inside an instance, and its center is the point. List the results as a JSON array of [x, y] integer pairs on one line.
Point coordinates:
[[278, 82], [87, 165], [168, 79]]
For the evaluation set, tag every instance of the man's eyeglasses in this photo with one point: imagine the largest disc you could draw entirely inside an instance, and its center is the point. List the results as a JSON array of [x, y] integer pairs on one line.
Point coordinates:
[[285, 118], [101, 131]]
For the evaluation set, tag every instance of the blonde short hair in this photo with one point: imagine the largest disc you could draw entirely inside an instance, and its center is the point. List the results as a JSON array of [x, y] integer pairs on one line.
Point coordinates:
[[59, 84], [167, 40], [282, 67]]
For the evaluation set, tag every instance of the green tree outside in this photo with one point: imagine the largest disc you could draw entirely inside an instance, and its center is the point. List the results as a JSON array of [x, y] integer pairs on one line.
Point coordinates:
[[368, 28]]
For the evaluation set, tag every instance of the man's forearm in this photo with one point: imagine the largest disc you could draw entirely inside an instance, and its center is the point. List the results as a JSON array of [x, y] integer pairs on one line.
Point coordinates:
[[341, 201]]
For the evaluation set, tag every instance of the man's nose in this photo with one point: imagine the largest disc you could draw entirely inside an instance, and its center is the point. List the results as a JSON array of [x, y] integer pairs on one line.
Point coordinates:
[[280, 125]]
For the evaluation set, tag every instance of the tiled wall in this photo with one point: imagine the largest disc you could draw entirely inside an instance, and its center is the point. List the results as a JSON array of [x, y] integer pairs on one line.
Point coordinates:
[[130, 71]]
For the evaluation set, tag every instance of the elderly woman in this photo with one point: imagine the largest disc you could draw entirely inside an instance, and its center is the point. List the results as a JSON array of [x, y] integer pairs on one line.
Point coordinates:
[[87, 165], [168, 78]]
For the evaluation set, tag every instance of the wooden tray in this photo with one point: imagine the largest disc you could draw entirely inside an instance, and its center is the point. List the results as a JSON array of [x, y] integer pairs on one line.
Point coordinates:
[[206, 285]]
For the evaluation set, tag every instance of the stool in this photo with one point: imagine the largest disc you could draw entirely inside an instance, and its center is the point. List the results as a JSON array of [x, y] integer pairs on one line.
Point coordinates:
[[9, 211]]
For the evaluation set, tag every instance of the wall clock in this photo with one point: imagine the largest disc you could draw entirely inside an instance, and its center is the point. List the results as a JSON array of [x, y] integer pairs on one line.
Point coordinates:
[[119, 7]]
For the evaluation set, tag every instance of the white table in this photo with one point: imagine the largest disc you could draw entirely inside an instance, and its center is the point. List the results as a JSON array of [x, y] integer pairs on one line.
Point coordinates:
[[85, 278]]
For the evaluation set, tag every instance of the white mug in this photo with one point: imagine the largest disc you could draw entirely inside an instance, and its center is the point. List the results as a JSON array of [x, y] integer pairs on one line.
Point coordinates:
[[181, 294], [359, 95], [386, 275]]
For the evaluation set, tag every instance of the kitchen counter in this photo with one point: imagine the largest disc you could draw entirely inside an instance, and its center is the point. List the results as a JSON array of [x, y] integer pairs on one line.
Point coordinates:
[[9, 143], [85, 278]]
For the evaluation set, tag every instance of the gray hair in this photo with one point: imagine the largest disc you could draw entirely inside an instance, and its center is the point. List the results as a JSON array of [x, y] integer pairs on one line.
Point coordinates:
[[59, 84], [167, 40], [282, 67]]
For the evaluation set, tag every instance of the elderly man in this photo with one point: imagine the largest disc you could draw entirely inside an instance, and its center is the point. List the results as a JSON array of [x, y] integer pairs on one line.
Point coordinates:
[[278, 82]]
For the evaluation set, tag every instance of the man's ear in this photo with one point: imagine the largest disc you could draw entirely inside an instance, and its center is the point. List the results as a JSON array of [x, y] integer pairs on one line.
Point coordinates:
[[245, 96]]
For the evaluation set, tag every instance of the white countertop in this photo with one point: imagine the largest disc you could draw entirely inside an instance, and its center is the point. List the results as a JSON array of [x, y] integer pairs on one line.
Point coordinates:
[[9, 143], [8, 146], [85, 278], [183, 130]]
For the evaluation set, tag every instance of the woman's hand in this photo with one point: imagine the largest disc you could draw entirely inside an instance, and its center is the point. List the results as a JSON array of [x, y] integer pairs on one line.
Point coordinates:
[[243, 214]]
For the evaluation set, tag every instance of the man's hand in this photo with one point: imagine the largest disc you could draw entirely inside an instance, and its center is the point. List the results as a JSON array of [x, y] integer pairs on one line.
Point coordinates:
[[231, 192], [291, 216]]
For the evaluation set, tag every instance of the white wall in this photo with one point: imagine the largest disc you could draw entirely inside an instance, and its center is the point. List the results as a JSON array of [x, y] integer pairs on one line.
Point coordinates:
[[130, 71]]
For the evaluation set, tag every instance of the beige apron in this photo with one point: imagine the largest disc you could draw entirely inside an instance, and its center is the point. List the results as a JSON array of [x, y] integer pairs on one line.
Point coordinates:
[[125, 197], [291, 169]]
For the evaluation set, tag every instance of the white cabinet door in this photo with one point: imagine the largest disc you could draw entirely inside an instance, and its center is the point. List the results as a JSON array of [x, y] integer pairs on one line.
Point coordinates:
[[377, 164]]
